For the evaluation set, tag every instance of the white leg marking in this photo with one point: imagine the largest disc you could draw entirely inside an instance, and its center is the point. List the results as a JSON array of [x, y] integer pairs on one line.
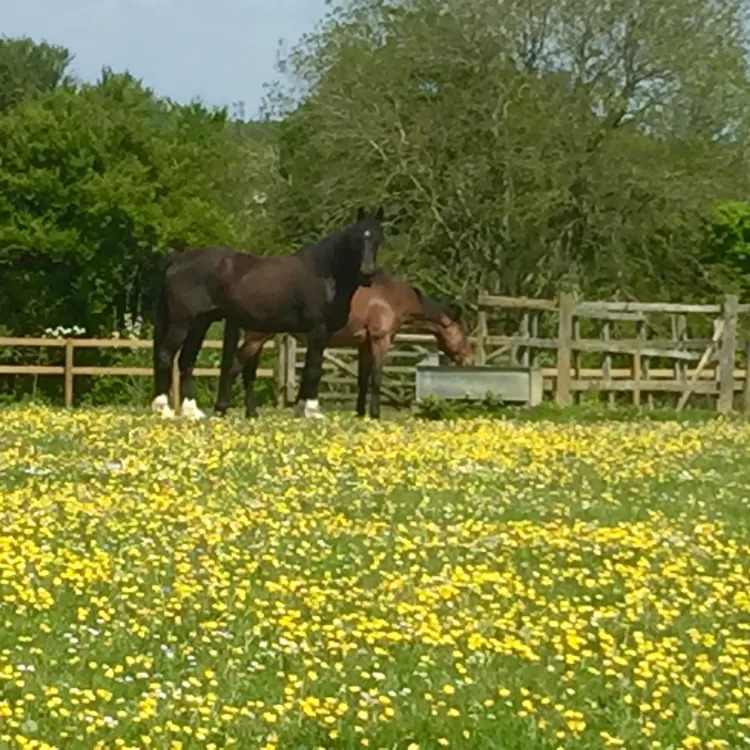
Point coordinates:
[[161, 406], [309, 409], [190, 409]]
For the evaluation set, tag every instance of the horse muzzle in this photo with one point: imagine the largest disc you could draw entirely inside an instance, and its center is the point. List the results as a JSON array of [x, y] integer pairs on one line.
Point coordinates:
[[465, 358], [366, 276]]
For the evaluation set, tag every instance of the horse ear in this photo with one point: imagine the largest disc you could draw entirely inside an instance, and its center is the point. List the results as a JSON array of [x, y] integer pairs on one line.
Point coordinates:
[[360, 213], [379, 215]]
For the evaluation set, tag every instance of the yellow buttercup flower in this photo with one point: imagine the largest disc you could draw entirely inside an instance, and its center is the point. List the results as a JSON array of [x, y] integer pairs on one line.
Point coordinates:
[[188, 583]]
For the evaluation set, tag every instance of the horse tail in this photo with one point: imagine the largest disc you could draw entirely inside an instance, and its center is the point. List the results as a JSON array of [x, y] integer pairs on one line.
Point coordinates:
[[151, 277], [159, 307]]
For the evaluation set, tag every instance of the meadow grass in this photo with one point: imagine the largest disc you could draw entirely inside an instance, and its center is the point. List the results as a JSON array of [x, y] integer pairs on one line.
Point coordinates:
[[476, 583]]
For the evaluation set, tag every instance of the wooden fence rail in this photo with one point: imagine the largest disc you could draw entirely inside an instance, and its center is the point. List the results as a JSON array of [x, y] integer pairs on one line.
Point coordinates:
[[69, 369], [713, 360], [288, 362], [634, 349]]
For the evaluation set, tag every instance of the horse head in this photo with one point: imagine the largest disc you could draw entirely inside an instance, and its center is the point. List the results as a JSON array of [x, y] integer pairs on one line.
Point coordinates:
[[452, 338], [368, 235], [444, 320]]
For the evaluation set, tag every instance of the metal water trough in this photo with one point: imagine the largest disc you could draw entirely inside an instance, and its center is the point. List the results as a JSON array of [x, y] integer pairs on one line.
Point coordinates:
[[511, 384]]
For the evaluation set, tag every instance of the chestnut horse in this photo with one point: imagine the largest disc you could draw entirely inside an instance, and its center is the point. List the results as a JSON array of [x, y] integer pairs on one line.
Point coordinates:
[[308, 292], [377, 312]]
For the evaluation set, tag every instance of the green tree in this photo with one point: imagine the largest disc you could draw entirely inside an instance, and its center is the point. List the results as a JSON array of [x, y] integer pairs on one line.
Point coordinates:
[[522, 145], [28, 69], [95, 181], [254, 184], [727, 250]]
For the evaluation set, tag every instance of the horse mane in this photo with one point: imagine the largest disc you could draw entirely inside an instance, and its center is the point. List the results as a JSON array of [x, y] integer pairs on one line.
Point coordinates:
[[325, 245], [434, 309], [324, 250]]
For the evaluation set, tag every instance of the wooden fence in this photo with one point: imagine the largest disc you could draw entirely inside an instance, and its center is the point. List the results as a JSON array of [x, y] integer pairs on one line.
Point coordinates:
[[622, 351], [339, 367], [655, 339], [69, 369]]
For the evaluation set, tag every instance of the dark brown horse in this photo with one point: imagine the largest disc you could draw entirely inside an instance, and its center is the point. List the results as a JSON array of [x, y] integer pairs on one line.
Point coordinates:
[[308, 292], [377, 313]]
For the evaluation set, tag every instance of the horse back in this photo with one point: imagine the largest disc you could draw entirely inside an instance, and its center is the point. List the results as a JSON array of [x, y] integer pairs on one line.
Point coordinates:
[[192, 280], [373, 313], [273, 292]]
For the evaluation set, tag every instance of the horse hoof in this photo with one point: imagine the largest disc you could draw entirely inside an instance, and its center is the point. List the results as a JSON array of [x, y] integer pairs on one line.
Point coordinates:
[[309, 409], [190, 409], [160, 405]]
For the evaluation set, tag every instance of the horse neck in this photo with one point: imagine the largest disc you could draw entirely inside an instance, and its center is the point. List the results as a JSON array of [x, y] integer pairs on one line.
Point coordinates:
[[324, 257], [422, 313]]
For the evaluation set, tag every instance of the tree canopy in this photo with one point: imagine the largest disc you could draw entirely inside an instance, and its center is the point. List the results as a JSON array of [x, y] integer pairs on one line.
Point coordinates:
[[518, 146], [28, 69], [96, 181], [523, 146]]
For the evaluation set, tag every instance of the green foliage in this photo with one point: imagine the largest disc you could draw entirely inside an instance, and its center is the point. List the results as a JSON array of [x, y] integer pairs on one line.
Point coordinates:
[[94, 182], [727, 251], [97, 181], [522, 148], [485, 585], [28, 69], [437, 409]]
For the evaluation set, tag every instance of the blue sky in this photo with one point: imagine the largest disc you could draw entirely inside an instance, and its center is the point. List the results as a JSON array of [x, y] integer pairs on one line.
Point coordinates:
[[219, 50]]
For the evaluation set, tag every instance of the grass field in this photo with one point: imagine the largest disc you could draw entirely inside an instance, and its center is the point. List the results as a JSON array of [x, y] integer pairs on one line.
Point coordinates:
[[346, 584]]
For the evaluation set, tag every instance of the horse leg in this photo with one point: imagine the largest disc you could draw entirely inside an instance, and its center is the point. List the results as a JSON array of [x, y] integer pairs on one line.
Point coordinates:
[[229, 367], [379, 351], [307, 399], [188, 355], [246, 360], [248, 379], [160, 355], [165, 348], [224, 396], [364, 368]]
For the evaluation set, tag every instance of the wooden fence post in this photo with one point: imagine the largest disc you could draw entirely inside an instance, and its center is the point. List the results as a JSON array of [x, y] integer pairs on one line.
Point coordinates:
[[746, 389], [480, 350], [525, 332], [68, 377], [640, 334], [290, 362], [606, 334], [534, 335], [279, 369], [176, 383], [564, 352], [647, 374], [727, 355], [575, 355], [679, 335]]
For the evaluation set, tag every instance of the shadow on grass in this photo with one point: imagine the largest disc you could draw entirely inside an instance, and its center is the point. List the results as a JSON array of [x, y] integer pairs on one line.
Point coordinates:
[[548, 411]]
